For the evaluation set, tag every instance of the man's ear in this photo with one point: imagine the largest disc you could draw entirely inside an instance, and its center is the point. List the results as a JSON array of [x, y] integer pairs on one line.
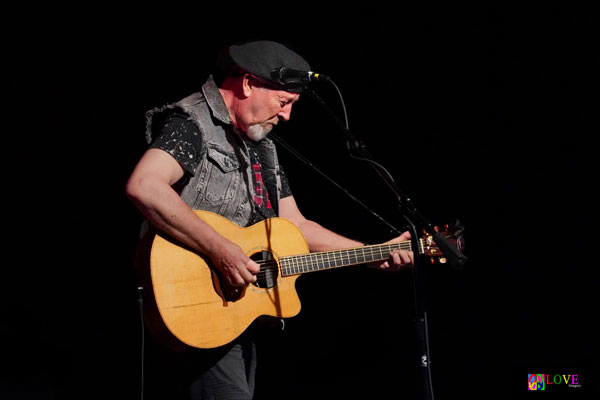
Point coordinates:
[[247, 84]]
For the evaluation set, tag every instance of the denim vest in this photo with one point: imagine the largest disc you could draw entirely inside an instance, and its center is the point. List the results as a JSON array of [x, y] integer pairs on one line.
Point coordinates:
[[222, 182]]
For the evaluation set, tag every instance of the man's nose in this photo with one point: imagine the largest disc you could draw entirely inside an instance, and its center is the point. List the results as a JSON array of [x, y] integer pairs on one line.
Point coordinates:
[[285, 112]]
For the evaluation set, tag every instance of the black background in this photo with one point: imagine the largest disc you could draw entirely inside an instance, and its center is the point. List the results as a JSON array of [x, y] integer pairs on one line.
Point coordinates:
[[481, 114]]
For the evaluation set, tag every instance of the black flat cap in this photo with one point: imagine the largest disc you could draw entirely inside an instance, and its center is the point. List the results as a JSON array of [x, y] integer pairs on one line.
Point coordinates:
[[261, 58]]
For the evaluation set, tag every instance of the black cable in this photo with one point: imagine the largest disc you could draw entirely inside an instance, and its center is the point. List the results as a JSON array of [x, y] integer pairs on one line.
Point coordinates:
[[140, 301], [293, 151], [357, 144], [354, 145]]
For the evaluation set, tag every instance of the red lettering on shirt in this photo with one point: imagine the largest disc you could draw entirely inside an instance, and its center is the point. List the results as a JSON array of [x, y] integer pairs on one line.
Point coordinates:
[[261, 196]]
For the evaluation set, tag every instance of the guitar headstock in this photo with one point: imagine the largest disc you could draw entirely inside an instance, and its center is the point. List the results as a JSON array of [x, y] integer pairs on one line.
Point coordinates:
[[454, 234]]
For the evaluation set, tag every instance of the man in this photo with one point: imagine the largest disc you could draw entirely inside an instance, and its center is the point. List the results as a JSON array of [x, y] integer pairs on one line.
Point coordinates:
[[212, 153]]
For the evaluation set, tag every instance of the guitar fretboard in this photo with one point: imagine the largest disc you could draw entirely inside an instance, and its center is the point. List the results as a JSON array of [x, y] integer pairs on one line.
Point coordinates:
[[295, 265]]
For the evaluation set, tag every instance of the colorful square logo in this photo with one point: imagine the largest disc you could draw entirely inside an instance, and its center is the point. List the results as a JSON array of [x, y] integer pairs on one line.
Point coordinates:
[[536, 382]]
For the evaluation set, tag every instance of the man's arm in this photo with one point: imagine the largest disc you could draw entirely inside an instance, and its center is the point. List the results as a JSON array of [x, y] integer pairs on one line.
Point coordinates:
[[322, 239], [150, 189]]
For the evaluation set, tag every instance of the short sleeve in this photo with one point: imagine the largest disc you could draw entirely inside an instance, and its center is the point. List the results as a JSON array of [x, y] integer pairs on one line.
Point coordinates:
[[180, 137], [286, 191]]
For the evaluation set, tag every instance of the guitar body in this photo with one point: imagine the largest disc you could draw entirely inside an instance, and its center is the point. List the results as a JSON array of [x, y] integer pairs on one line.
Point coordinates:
[[192, 306]]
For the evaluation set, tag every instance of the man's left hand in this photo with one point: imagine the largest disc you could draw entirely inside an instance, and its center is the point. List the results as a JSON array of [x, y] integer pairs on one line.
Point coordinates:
[[399, 259]]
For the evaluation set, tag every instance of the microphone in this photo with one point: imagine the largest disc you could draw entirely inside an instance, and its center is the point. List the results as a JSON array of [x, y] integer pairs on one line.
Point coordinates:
[[289, 76]]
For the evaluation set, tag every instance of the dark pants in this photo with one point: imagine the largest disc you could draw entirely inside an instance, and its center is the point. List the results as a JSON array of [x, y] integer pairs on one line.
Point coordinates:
[[225, 373]]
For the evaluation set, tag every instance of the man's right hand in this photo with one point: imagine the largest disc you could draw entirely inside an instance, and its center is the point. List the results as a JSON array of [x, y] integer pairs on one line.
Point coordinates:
[[237, 268]]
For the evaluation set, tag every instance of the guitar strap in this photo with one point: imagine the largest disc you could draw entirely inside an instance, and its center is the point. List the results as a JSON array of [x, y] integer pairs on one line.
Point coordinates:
[[270, 171]]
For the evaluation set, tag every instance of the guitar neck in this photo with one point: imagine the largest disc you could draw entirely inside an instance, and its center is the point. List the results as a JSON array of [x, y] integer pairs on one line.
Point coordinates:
[[300, 264]]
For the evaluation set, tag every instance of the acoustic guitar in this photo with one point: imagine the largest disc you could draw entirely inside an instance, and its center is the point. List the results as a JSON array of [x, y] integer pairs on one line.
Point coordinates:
[[191, 305]]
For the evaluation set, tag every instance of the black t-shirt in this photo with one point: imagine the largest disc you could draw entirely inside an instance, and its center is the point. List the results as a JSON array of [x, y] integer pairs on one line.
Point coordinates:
[[180, 137]]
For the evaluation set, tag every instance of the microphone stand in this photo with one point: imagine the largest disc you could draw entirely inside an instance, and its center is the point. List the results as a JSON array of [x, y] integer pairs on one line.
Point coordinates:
[[412, 216]]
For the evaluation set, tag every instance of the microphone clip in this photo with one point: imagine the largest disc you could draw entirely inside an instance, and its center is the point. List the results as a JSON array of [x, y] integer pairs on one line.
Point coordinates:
[[288, 76]]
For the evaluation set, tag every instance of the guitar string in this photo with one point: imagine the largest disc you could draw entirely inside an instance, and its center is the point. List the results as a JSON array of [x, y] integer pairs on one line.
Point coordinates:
[[311, 258]]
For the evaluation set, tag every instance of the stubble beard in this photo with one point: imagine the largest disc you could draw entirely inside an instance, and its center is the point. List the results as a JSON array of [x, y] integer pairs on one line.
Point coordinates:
[[258, 132]]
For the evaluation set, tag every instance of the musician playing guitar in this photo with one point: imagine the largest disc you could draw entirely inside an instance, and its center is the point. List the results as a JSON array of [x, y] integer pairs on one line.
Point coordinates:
[[210, 151]]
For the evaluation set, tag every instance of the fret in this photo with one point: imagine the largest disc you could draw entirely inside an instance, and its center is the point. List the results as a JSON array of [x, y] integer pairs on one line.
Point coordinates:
[[389, 250], [348, 257], [376, 253], [286, 265], [355, 257], [364, 254], [315, 262], [310, 262], [302, 263], [373, 253], [336, 259], [362, 250], [295, 266], [306, 263], [299, 264], [292, 269]]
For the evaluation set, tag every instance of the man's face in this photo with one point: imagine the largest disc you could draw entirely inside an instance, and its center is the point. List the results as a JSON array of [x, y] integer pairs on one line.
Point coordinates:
[[265, 109]]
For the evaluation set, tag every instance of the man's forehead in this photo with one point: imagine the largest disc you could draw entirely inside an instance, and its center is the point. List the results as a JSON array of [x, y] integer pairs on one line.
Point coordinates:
[[287, 96]]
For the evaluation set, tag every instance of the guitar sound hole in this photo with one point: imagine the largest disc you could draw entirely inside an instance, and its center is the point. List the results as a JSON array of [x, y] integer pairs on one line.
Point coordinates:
[[269, 270]]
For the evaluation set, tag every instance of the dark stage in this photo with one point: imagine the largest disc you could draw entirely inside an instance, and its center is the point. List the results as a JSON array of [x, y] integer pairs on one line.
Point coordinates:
[[482, 115]]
